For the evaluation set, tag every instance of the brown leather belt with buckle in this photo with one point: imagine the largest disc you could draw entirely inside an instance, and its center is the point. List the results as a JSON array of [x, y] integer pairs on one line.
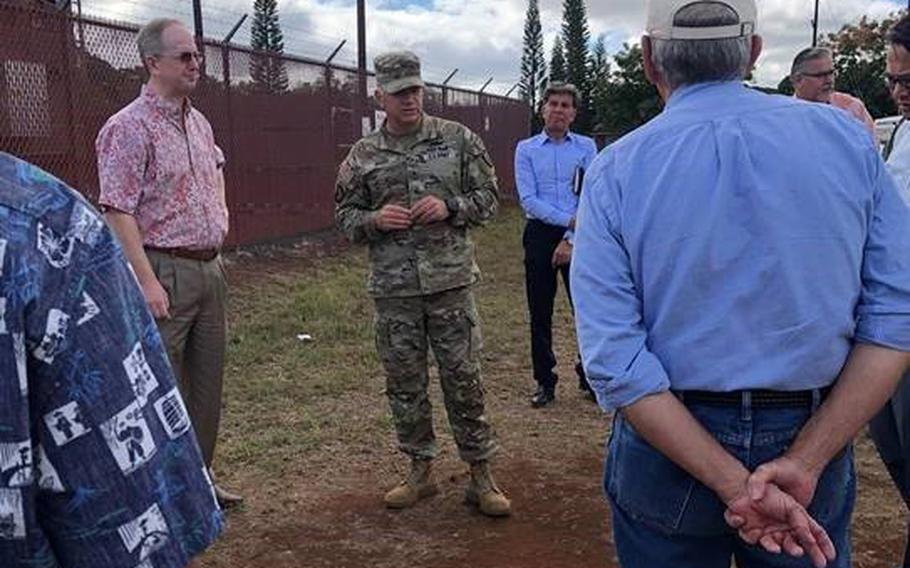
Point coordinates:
[[204, 255], [757, 398]]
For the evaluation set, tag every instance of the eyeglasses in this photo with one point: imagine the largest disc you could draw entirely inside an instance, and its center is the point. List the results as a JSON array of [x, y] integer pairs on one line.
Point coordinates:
[[186, 57], [895, 80], [820, 74]]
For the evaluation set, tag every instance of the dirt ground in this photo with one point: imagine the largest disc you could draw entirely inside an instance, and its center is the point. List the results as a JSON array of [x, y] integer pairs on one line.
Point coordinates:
[[308, 440]]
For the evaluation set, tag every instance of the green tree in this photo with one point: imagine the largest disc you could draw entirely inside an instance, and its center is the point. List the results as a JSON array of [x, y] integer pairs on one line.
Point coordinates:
[[267, 67], [630, 100], [533, 63], [785, 87], [576, 37], [859, 57], [557, 62], [600, 83]]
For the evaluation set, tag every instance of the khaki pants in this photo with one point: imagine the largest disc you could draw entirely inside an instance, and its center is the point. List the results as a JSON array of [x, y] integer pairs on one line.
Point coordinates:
[[195, 337]]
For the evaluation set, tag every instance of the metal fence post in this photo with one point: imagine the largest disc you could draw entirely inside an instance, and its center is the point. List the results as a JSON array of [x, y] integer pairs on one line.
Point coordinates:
[[226, 74], [75, 143]]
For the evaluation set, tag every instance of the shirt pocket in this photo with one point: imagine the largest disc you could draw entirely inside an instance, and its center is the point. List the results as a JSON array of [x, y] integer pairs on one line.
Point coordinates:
[[436, 170], [543, 167], [387, 184], [172, 164]]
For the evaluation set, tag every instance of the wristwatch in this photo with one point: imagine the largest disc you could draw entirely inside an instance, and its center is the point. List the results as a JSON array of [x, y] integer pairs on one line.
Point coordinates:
[[453, 205]]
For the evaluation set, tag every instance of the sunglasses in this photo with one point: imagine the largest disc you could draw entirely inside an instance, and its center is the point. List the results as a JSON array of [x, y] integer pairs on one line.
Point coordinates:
[[895, 80], [186, 57]]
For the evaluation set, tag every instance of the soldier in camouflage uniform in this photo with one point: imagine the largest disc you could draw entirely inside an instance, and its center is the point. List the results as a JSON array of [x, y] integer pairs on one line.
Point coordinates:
[[411, 191]]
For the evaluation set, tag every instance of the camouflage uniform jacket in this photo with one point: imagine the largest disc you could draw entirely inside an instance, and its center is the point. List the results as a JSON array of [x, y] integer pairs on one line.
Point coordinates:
[[444, 159]]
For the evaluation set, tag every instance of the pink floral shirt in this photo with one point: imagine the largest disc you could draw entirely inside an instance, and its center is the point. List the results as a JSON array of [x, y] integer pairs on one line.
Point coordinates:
[[159, 162], [855, 107]]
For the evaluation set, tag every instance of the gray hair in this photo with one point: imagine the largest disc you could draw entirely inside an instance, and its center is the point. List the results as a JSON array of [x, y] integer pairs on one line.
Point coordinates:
[[149, 38], [807, 55], [687, 62]]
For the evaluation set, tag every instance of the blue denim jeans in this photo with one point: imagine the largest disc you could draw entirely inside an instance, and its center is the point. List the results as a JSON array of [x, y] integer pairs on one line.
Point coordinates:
[[663, 517]]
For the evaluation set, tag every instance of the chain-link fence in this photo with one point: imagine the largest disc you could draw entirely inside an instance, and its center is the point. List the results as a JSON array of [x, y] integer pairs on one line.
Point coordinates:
[[62, 77]]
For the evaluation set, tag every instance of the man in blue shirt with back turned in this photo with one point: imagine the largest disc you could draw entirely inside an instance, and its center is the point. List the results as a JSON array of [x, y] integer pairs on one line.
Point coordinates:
[[549, 169], [741, 277]]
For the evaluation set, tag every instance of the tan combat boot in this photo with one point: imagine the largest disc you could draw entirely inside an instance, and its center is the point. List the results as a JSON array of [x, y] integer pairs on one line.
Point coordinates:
[[483, 493], [417, 486]]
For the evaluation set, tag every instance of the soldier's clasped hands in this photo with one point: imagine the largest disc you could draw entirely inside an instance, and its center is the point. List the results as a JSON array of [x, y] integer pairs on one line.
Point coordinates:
[[427, 211]]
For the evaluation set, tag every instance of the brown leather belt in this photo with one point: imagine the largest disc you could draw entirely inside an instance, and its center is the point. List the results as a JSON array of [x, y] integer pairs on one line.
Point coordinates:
[[204, 255], [756, 398]]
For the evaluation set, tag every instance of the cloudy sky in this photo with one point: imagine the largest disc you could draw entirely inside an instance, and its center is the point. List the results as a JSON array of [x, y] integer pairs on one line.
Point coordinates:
[[482, 38]]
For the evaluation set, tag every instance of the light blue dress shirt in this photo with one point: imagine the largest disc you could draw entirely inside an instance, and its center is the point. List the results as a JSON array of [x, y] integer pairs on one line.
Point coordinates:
[[544, 172], [737, 241], [899, 160]]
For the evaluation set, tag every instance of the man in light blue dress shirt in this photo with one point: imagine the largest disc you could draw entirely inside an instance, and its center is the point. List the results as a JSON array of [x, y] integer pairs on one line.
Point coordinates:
[[741, 278], [890, 429], [549, 169]]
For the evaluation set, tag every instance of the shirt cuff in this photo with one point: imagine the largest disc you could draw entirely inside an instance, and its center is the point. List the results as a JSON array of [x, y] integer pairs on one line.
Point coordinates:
[[564, 219], [569, 237], [106, 205], [888, 332], [645, 377], [370, 231], [457, 218]]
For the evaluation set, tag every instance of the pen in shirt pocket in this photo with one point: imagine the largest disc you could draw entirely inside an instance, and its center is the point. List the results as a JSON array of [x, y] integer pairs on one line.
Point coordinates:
[[578, 180]]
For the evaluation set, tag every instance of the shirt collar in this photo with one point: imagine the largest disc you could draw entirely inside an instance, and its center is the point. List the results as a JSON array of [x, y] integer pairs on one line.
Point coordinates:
[[428, 129], [834, 95], [543, 138], [166, 107], [688, 93]]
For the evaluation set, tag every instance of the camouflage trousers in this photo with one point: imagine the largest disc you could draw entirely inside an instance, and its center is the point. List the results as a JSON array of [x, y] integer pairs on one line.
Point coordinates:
[[446, 322]]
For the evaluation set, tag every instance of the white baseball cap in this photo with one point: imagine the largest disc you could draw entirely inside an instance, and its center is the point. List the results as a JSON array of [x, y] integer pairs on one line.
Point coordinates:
[[661, 14]]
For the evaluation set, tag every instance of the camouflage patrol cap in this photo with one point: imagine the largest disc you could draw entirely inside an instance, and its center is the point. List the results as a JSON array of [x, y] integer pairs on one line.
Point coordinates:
[[397, 71]]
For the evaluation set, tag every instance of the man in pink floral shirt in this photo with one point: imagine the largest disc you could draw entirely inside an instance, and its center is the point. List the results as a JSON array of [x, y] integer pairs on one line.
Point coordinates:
[[162, 189], [813, 77]]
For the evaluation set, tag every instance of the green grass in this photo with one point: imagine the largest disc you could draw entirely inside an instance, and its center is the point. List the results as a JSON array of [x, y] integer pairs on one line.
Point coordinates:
[[279, 390], [306, 425]]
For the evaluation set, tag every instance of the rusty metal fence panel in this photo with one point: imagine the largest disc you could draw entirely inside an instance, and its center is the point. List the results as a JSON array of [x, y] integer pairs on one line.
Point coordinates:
[[62, 77]]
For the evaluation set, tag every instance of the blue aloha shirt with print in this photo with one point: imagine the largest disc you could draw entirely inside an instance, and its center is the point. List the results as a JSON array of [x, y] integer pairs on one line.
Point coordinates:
[[99, 466]]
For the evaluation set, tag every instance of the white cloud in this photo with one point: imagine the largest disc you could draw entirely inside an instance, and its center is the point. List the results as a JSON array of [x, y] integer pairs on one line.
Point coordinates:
[[482, 38]]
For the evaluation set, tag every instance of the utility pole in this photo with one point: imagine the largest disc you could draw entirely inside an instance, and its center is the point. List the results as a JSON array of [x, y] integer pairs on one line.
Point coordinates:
[[362, 60], [200, 38], [80, 26], [362, 36], [197, 20], [815, 26]]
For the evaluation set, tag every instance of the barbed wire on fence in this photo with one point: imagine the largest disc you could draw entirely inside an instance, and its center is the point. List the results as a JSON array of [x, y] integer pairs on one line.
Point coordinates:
[[62, 77], [299, 41]]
